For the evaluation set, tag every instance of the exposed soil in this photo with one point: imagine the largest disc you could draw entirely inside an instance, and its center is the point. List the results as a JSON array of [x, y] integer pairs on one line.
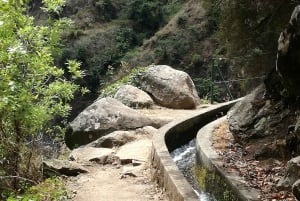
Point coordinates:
[[115, 182], [109, 183], [258, 173]]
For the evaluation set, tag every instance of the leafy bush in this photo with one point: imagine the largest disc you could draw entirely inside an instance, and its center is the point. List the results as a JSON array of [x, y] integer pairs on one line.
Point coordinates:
[[79, 53], [33, 91], [108, 51], [170, 8], [251, 30], [106, 9], [173, 48], [48, 190], [203, 87], [196, 59], [132, 78], [122, 40], [181, 20], [147, 15]]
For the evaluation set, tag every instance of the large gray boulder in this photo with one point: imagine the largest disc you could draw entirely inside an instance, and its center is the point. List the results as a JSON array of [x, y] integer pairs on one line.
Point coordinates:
[[170, 88], [102, 117], [133, 97], [248, 118]]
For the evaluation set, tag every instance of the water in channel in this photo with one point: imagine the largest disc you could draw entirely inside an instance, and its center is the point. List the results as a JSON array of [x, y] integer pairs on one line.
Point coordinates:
[[184, 157]]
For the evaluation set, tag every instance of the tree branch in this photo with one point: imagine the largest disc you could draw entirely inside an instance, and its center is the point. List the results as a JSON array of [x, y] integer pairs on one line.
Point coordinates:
[[17, 177]]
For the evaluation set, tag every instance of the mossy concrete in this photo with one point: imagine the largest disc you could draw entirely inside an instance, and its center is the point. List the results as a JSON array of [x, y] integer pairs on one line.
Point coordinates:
[[170, 137], [212, 182], [208, 159]]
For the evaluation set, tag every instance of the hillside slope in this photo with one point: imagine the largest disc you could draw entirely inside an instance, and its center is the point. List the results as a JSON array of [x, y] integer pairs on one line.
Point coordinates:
[[107, 33], [184, 42]]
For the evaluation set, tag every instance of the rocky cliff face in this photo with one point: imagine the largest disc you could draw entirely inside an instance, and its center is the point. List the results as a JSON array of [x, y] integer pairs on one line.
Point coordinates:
[[288, 56], [271, 112], [267, 121]]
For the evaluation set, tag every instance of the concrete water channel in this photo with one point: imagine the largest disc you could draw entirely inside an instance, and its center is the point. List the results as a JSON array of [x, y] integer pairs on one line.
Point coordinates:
[[185, 159], [171, 137]]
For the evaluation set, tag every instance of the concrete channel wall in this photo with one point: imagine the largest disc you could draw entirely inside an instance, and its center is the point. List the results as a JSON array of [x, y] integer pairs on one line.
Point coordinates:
[[172, 136], [211, 161]]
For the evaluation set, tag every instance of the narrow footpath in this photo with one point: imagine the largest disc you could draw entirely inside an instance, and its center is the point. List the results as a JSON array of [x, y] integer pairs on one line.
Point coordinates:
[[125, 182]]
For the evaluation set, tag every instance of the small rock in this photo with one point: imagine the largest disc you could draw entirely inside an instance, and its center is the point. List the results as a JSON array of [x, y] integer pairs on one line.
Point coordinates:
[[129, 171], [58, 167], [124, 175], [114, 139], [273, 149], [147, 130], [88, 154]]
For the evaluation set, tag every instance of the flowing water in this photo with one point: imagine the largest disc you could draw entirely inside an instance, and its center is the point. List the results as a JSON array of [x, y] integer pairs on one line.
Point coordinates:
[[184, 157]]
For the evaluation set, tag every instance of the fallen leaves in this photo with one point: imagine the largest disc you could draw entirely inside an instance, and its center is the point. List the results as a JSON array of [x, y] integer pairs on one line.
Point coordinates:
[[262, 175]]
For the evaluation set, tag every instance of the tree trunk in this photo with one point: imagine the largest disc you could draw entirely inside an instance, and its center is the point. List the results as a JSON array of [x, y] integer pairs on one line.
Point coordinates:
[[16, 152]]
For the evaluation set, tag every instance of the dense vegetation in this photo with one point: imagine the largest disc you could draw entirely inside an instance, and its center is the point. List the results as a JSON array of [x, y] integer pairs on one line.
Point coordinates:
[[33, 91], [247, 33], [105, 30], [177, 33], [109, 39]]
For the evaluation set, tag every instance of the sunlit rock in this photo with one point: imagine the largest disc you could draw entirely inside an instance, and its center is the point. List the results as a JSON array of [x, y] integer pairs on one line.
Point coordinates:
[[170, 88], [133, 97], [101, 118]]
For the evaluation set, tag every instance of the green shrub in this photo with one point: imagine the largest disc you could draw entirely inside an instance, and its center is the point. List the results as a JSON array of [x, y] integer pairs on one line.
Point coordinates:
[[132, 78], [106, 9], [34, 92], [133, 53], [48, 190], [203, 87], [75, 33], [147, 15], [172, 7], [181, 20], [196, 59]]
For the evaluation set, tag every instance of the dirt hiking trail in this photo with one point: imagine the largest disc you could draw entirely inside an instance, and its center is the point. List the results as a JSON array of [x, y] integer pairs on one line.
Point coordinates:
[[125, 182]]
